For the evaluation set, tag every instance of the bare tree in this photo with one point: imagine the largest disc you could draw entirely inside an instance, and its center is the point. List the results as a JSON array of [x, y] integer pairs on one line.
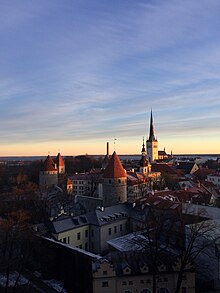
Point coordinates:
[[164, 231], [198, 239], [154, 239], [15, 244]]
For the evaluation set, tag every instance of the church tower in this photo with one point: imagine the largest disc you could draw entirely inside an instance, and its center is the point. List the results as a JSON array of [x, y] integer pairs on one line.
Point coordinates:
[[152, 143], [145, 167]]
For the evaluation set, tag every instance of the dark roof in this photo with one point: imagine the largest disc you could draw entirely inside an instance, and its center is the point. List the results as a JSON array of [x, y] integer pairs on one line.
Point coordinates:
[[103, 216], [114, 168], [187, 166], [165, 168], [162, 153], [66, 223]]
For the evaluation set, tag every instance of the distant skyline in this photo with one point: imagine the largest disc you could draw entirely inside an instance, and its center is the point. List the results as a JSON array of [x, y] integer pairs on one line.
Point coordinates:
[[74, 74]]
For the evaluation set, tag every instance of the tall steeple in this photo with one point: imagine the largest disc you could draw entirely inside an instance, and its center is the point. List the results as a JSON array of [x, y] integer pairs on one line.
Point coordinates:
[[151, 135], [152, 143]]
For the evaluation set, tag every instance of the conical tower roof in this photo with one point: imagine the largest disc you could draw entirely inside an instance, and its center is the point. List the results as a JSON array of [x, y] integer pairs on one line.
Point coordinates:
[[114, 168], [59, 160], [49, 164], [151, 134]]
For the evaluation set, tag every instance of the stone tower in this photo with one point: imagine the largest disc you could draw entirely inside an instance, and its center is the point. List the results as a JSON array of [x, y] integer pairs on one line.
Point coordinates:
[[152, 143], [114, 182], [60, 164], [145, 167], [49, 174]]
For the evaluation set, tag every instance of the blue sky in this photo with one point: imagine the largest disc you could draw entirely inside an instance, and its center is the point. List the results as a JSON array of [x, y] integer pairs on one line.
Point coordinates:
[[74, 74]]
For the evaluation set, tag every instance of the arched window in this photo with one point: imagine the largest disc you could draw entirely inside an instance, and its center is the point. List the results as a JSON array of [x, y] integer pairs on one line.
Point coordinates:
[[163, 290], [145, 291]]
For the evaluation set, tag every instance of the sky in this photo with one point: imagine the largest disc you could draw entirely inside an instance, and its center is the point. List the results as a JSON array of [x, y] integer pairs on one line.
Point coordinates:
[[74, 74]]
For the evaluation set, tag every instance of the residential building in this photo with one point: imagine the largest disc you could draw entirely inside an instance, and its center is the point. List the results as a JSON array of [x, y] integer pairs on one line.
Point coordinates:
[[132, 272], [214, 178]]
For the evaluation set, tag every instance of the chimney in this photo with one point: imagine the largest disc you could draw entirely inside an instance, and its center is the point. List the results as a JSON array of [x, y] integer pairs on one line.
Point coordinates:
[[108, 149]]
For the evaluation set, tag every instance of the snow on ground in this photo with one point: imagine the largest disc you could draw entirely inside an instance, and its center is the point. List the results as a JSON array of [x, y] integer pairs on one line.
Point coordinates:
[[12, 279], [56, 285]]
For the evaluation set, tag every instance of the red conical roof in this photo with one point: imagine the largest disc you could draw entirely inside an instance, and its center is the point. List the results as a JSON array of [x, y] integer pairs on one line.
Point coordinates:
[[60, 161], [49, 164], [114, 168]]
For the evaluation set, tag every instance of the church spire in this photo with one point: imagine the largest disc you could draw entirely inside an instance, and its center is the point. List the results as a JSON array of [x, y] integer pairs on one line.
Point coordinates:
[[143, 151], [151, 135]]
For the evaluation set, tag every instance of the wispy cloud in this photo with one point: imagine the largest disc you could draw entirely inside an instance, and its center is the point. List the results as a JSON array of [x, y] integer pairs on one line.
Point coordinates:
[[93, 69]]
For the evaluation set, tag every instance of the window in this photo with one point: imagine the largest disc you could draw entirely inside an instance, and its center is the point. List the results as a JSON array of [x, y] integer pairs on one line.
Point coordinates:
[[104, 273], [109, 231], [109, 181], [80, 246], [115, 229], [78, 236], [126, 226], [68, 240], [64, 240], [86, 233], [92, 233], [141, 281], [120, 227], [124, 283], [130, 283], [145, 291], [104, 284], [86, 246], [119, 181], [184, 290]]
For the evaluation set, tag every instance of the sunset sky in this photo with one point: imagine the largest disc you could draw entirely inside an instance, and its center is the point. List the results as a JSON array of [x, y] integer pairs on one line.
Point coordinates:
[[76, 73]]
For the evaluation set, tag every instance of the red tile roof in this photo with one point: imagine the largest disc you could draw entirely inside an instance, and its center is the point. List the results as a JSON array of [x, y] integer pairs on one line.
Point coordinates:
[[49, 164], [59, 160], [114, 168]]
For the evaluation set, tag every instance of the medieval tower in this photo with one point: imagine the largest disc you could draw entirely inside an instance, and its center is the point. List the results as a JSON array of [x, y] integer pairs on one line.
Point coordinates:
[[114, 182]]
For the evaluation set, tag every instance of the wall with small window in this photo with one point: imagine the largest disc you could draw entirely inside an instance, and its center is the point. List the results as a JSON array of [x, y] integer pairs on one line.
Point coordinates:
[[77, 237], [113, 230]]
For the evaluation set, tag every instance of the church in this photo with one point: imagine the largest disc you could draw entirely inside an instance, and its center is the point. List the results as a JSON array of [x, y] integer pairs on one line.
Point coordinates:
[[152, 145]]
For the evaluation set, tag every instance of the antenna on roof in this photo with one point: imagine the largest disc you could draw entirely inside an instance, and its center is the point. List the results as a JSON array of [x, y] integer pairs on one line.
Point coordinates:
[[114, 142]]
